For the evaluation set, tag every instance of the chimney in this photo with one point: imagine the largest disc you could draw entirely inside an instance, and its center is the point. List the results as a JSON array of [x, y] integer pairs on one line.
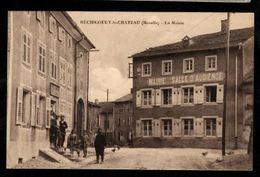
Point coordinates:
[[96, 101], [224, 25]]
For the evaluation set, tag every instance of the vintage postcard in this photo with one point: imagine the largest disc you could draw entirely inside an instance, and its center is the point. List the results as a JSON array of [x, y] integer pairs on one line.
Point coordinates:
[[117, 90]]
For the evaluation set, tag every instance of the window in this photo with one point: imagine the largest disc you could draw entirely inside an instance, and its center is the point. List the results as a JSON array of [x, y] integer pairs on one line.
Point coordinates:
[[188, 95], [146, 97], [106, 123], [121, 110], [129, 121], [63, 72], [26, 47], [167, 127], [52, 24], [147, 127], [26, 107], [40, 16], [167, 96], [61, 34], [188, 65], [41, 58], [40, 111], [53, 68], [69, 72], [188, 128], [166, 67], [69, 40], [146, 69], [119, 121], [211, 94], [210, 126], [211, 63]]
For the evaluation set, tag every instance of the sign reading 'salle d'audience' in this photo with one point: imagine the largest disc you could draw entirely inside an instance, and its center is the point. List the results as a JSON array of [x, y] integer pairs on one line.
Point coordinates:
[[189, 78]]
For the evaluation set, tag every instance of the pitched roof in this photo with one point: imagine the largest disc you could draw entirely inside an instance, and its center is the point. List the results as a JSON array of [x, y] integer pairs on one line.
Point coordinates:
[[125, 98], [93, 104], [106, 107], [200, 42]]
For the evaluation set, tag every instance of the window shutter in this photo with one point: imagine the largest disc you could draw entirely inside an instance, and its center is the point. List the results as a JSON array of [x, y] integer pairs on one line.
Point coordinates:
[[198, 127], [33, 110], [61, 33], [153, 92], [220, 93], [138, 98], [156, 128], [200, 95], [19, 106], [176, 127], [37, 109], [179, 101], [48, 112], [52, 24], [196, 93], [38, 15], [174, 96], [138, 128], [219, 126], [158, 97]]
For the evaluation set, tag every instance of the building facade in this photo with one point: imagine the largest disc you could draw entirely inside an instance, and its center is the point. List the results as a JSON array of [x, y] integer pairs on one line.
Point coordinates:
[[106, 121], [178, 91], [93, 119], [123, 119], [47, 71]]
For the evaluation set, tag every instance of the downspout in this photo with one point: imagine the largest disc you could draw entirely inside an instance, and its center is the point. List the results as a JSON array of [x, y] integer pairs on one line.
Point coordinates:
[[75, 82]]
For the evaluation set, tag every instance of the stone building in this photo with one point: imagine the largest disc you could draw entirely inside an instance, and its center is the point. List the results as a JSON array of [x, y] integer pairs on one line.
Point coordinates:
[[93, 119], [48, 58], [178, 91], [123, 119]]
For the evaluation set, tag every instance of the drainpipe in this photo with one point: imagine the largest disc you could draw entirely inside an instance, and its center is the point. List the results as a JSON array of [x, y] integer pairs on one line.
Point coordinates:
[[75, 82]]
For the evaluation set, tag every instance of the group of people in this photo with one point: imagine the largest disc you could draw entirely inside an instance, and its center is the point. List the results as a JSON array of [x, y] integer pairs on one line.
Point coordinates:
[[57, 131], [75, 142]]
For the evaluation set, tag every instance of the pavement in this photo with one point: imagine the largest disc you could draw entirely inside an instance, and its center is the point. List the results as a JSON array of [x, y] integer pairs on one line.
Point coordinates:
[[154, 159]]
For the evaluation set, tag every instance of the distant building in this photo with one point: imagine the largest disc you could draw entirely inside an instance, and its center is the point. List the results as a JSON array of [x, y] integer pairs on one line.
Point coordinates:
[[47, 70], [123, 119], [93, 118], [178, 91], [106, 120]]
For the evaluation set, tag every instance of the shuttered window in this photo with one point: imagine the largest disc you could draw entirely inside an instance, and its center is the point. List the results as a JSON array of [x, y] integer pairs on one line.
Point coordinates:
[[188, 95], [188, 127], [210, 126], [167, 96], [147, 128], [211, 94], [26, 106], [167, 127], [147, 97]]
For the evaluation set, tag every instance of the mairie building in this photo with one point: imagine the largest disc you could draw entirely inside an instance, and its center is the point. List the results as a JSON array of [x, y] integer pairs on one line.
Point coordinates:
[[47, 70], [178, 91]]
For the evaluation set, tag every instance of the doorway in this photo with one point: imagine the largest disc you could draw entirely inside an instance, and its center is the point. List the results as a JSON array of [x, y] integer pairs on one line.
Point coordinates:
[[80, 117]]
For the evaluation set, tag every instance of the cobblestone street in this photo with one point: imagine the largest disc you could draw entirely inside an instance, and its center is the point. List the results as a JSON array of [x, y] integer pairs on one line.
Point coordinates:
[[155, 159]]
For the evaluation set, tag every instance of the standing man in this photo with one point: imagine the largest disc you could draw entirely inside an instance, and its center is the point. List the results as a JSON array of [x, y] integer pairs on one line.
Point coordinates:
[[63, 127], [100, 144], [53, 131], [86, 143]]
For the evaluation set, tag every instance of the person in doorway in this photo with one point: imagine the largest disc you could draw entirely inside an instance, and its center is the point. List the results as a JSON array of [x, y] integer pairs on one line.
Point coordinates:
[[100, 143], [62, 128], [53, 131], [86, 142]]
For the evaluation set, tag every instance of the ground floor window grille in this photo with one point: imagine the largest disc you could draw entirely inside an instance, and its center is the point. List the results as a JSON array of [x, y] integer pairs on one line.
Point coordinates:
[[167, 127], [210, 127], [147, 127], [188, 128], [211, 93]]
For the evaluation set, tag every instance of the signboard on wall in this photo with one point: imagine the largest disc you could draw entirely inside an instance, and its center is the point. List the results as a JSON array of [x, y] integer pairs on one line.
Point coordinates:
[[54, 90], [189, 78]]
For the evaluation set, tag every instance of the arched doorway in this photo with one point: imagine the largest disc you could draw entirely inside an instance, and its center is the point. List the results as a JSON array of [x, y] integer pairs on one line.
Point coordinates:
[[80, 116]]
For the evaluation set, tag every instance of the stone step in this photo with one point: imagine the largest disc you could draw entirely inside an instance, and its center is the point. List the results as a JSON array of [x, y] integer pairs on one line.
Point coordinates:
[[52, 155]]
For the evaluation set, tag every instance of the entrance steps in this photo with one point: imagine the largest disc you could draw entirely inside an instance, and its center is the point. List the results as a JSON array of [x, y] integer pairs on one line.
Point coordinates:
[[65, 156]]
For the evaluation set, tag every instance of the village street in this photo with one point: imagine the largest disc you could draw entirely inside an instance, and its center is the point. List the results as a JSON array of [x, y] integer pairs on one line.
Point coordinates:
[[154, 159]]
